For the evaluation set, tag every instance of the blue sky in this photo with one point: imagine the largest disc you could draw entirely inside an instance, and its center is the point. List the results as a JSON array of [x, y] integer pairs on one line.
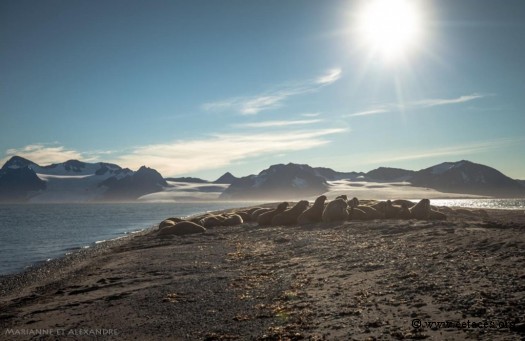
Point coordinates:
[[203, 87]]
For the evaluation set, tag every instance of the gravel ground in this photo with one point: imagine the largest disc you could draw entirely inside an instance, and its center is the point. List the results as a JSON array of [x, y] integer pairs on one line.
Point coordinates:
[[377, 280]]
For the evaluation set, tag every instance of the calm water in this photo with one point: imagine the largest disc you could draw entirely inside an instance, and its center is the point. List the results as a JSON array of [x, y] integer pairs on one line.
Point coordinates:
[[34, 233], [508, 204]]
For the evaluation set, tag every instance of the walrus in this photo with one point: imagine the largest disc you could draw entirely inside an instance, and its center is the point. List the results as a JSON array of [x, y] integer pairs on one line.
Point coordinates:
[[335, 211], [314, 213], [289, 217], [246, 217], [265, 219], [421, 210], [211, 221], [435, 215], [166, 222], [198, 218], [355, 213], [380, 206], [258, 212], [404, 213], [232, 220], [354, 202], [343, 196], [180, 229], [401, 202], [371, 212], [391, 211], [253, 209]]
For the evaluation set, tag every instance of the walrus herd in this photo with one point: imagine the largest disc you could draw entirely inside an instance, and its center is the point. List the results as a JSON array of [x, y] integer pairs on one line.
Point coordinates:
[[339, 209]]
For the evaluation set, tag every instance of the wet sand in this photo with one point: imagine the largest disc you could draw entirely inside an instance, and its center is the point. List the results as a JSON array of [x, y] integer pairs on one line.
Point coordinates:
[[380, 279]]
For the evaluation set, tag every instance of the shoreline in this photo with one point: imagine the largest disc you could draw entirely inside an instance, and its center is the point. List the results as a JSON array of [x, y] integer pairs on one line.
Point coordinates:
[[66, 252], [323, 280]]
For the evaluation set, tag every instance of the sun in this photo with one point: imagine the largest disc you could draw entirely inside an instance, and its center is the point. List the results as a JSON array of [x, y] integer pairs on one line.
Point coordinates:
[[390, 27]]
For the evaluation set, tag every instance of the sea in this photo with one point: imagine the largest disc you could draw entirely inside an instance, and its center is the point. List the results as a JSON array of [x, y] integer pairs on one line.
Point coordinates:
[[34, 233], [31, 234]]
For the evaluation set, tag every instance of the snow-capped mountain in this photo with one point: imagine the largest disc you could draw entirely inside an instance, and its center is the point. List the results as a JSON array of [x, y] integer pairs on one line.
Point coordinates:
[[295, 181], [467, 177], [73, 181], [279, 181], [22, 180]]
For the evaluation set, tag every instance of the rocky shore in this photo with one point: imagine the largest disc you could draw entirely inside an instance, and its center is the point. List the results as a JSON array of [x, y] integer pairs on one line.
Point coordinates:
[[378, 279]]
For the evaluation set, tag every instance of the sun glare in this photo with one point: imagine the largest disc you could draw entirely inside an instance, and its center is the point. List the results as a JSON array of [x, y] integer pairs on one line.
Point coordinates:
[[390, 27]]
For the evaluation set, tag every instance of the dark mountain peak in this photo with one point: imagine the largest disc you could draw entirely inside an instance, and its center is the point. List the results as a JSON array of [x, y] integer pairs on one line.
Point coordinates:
[[151, 174], [188, 179], [331, 175], [17, 183], [144, 181], [111, 168], [70, 166], [226, 178], [18, 162], [289, 169], [467, 177], [389, 174], [278, 181], [74, 165]]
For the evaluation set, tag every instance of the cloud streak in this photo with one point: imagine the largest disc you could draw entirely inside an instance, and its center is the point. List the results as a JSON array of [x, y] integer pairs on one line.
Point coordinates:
[[44, 154], [180, 157], [463, 150], [425, 103], [252, 105], [332, 76], [428, 103], [275, 124]]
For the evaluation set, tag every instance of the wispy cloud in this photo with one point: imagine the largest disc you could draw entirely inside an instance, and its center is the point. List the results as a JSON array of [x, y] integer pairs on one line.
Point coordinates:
[[270, 124], [311, 114], [180, 157], [329, 78], [251, 105], [425, 103], [459, 150], [43, 154], [368, 112]]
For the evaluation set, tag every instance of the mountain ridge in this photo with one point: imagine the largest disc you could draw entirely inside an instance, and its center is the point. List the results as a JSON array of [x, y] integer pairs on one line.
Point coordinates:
[[23, 180]]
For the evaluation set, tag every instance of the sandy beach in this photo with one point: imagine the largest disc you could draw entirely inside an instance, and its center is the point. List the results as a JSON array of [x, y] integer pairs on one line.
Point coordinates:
[[377, 280]]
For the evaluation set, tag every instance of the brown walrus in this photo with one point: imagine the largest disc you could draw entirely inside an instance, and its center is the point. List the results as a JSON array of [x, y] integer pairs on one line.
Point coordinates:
[[258, 212], [211, 221], [421, 210], [181, 228], [289, 217], [354, 202], [355, 213], [265, 219], [314, 213], [170, 221], [335, 211], [392, 211], [246, 217], [232, 220], [371, 212]]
